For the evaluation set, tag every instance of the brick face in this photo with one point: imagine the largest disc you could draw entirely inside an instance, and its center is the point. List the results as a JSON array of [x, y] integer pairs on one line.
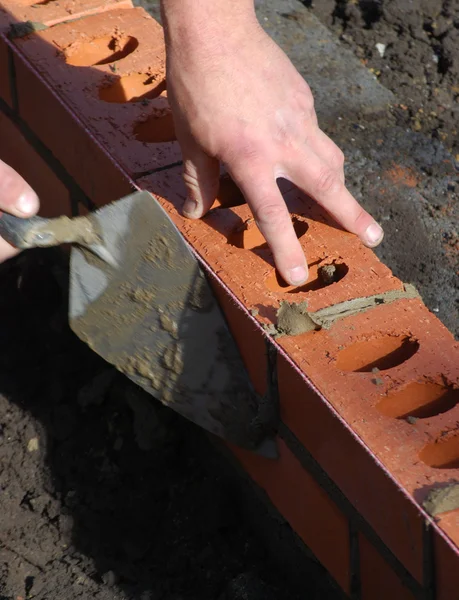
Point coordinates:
[[16, 152], [306, 506], [446, 569], [351, 467], [377, 579], [5, 91], [99, 177]]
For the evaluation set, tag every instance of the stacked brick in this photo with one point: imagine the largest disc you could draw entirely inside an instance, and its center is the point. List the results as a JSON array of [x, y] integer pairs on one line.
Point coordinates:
[[368, 439]]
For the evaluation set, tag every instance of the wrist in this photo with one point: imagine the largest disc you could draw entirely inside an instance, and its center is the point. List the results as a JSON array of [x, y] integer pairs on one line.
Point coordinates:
[[205, 21]]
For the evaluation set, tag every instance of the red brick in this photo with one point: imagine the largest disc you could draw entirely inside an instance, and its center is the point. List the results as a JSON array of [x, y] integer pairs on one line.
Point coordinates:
[[67, 57], [352, 468], [99, 177], [5, 91], [248, 337], [378, 580], [446, 569], [306, 506], [16, 152], [50, 13]]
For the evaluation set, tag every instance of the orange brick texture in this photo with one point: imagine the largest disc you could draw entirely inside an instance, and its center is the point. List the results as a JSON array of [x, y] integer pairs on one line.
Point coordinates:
[[368, 408]]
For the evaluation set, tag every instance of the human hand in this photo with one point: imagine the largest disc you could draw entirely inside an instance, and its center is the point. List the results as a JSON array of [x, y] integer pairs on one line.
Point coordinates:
[[16, 198], [237, 98]]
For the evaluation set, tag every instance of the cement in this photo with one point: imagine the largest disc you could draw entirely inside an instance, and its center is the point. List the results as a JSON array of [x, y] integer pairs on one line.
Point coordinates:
[[294, 318], [440, 500]]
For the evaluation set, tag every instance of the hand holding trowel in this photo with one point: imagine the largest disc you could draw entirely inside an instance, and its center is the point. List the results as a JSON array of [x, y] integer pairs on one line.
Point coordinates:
[[139, 299]]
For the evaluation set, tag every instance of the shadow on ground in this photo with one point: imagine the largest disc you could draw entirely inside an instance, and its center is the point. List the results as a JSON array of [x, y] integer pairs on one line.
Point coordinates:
[[105, 493]]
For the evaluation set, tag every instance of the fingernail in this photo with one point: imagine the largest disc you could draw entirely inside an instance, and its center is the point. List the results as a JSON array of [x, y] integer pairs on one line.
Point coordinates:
[[190, 208], [27, 203], [373, 235], [297, 275]]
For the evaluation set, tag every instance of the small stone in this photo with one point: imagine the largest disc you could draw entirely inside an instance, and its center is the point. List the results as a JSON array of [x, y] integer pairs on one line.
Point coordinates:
[[381, 48], [33, 445], [327, 274]]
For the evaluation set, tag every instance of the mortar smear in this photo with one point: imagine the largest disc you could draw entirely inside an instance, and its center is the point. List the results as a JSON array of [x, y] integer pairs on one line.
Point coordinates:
[[440, 500], [294, 318]]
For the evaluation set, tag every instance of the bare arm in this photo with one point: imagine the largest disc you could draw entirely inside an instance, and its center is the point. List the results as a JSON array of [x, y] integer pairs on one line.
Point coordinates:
[[237, 99]]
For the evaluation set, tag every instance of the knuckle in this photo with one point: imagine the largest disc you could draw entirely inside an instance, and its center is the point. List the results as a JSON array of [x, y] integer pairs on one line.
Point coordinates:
[[269, 213], [338, 157], [327, 181], [190, 178]]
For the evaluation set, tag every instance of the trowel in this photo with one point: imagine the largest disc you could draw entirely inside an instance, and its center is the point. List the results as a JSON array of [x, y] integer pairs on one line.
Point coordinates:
[[139, 298]]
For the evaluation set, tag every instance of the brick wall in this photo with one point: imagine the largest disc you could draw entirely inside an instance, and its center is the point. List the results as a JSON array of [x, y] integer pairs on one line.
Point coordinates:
[[368, 407]]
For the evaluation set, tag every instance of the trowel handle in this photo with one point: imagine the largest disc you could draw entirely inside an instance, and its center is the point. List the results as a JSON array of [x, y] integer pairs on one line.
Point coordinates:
[[21, 233]]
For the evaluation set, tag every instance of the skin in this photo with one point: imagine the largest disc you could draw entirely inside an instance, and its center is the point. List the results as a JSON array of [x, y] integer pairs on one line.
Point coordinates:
[[238, 100], [16, 198]]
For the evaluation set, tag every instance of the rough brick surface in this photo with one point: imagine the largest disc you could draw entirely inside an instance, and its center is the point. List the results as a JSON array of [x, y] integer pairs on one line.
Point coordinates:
[[110, 70], [58, 129], [50, 13]]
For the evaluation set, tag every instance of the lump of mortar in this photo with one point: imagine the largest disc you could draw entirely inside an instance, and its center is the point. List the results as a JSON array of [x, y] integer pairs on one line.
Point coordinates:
[[18, 30], [294, 319], [442, 499], [327, 274]]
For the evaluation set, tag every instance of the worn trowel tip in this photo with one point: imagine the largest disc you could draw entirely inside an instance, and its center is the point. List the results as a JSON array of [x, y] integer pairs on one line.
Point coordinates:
[[268, 449]]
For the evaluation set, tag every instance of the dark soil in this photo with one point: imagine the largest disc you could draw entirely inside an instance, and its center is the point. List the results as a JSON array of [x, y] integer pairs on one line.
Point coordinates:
[[104, 493], [420, 62]]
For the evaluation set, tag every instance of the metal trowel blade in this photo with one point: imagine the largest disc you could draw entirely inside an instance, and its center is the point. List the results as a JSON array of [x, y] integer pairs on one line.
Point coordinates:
[[151, 313]]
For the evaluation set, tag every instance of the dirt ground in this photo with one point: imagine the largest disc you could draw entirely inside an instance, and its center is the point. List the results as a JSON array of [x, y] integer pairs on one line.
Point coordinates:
[[417, 57], [105, 494]]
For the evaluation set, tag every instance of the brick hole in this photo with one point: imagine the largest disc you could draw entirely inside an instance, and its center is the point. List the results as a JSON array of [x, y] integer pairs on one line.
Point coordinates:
[[419, 400], [100, 51], [132, 88], [321, 275], [383, 353], [42, 3], [156, 129], [249, 237], [442, 453]]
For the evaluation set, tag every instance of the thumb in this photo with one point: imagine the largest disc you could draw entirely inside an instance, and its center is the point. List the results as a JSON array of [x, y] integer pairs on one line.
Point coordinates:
[[201, 176], [16, 196]]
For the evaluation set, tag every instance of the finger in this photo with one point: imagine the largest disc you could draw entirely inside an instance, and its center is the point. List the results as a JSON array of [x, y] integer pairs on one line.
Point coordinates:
[[16, 196], [6, 251], [328, 151], [274, 221], [201, 176], [314, 176]]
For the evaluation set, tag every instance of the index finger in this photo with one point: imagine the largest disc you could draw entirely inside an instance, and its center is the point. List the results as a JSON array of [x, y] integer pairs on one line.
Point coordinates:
[[273, 219]]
